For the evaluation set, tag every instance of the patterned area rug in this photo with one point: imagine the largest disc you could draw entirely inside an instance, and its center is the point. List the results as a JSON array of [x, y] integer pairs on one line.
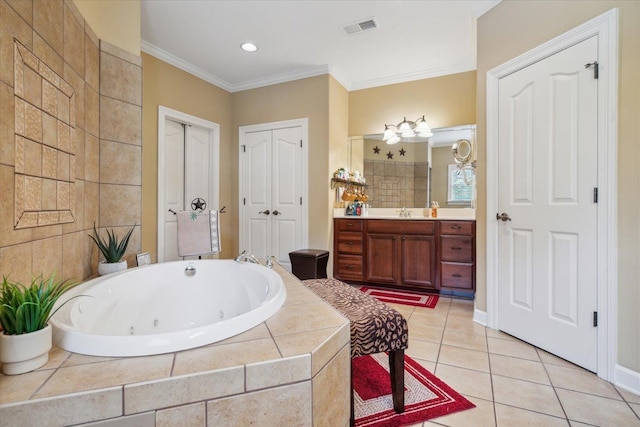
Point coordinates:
[[425, 397], [401, 297]]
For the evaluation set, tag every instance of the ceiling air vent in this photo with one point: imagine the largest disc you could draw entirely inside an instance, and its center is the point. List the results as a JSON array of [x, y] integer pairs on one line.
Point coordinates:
[[358, 27]]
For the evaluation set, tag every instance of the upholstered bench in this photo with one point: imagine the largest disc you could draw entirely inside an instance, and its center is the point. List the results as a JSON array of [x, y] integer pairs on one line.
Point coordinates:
[[375, 328]]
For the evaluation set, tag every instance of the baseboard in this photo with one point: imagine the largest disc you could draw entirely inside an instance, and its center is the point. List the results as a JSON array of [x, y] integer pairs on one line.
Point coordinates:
[[480, 317], [627, 379]]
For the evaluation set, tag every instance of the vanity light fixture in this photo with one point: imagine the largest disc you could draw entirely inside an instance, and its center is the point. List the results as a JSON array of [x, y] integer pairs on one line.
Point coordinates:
[[249, 47], [406, 129]]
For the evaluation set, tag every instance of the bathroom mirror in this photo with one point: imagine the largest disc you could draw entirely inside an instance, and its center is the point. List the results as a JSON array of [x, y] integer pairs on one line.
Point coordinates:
[[413, 173]]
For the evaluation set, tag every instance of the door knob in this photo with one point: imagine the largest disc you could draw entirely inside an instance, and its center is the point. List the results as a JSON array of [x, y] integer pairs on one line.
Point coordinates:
[[276, 213], [503, 216], [267, 212]]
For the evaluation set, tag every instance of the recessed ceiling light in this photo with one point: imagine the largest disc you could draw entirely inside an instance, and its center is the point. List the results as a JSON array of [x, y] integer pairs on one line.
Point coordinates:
[[248, 47]]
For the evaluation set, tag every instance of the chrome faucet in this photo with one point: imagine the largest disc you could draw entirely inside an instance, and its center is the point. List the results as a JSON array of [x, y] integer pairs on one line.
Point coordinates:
[[405, 213], [245, 257]]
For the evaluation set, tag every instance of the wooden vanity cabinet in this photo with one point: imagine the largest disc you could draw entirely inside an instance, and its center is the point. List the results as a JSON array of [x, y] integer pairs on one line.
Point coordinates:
[[348, 248], [457, 255], [401, 253]]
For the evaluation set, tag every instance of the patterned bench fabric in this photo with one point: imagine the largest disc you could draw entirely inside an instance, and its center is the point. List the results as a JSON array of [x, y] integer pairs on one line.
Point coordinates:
[[375, 327]]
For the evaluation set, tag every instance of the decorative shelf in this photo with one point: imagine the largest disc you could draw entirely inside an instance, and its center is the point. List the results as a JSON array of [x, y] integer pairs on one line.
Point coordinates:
[[337, 182]]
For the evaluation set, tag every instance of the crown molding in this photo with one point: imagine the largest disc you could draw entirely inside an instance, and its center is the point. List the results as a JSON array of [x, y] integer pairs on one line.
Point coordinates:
[[281, 78]]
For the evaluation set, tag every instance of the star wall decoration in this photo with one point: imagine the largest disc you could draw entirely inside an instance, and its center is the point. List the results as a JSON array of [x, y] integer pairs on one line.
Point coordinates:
[[390, 155], [402, 151], [376, 149]]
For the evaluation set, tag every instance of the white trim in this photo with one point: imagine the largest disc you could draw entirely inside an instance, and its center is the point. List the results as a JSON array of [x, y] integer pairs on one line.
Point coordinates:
[[627, 379], [304, 124], [480, 317], [165, 113], [605, 27]]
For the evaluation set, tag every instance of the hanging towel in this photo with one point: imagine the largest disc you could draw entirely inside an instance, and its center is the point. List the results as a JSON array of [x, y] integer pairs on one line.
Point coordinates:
[[198, 233]]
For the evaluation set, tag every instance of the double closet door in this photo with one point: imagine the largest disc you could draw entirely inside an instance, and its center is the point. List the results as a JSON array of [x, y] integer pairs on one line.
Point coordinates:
[[271, 192]]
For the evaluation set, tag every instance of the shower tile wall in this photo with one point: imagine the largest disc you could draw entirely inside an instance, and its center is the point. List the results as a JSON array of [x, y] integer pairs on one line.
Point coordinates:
[[392, 184], [107, 87]]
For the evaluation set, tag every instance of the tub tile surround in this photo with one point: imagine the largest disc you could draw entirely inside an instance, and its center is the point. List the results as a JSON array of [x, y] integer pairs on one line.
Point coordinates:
[[292, 369], [55, 77]]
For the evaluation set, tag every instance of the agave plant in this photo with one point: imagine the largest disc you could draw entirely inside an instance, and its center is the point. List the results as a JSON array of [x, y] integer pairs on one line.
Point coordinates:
[[112, 249], [25, 309]]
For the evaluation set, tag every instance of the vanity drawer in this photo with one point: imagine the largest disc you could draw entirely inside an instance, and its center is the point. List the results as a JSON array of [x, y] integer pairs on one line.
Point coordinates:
[[456, 275], [401, 226], [348, 224], [350, 242], [350, 267], [456, 248], [456, 227]]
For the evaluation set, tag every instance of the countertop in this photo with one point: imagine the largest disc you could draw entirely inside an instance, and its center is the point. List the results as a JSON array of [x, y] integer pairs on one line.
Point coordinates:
[[456, 214]]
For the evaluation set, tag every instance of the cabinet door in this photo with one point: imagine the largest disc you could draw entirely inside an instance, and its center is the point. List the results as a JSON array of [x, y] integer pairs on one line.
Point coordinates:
[[381, 257], [418, 261]]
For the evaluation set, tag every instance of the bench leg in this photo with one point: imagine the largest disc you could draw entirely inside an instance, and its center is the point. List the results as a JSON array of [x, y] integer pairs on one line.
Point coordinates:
[[396, 370]]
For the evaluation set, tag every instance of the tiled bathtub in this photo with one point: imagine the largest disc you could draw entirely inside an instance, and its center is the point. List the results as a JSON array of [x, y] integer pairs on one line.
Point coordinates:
[[291, 370]]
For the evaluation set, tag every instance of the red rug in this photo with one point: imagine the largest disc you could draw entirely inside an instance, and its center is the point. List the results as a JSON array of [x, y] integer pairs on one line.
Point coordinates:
[[401, 297], [425, 395]]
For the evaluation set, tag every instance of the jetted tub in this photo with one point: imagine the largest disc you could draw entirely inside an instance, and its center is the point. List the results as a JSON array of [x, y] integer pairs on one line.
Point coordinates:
[[166, 307]]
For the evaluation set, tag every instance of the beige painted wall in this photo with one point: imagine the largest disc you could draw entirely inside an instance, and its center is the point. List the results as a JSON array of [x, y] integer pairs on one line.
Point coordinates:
[[114, 21], [293, 100], [514, 27], [171, 87], [444, 101]]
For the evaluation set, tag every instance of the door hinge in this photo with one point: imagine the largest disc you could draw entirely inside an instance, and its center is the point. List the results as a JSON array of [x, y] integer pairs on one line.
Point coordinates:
[[244, 148], [595, 319], [595, 194], [300, 201], [595, 66], [300, 143], [244, 201]]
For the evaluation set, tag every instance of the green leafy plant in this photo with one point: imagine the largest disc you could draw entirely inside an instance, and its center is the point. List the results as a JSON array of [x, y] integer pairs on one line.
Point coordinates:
[[112, 249], [27, 309]]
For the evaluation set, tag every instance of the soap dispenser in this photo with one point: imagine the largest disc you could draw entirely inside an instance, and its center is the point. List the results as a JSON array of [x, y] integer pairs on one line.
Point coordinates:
[[434, 209]]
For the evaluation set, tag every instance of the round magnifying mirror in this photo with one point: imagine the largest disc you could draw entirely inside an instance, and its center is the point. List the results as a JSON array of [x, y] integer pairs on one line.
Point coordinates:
[[462, 151]]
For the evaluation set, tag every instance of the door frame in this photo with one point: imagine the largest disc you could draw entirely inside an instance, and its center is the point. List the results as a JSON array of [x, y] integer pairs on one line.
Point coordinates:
[[605, 27], [165, 113], [242, 131]]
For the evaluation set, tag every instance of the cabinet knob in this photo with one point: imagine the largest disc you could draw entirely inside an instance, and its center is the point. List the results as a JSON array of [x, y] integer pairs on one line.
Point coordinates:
[[456, 227], [456, 275], [455, 248]]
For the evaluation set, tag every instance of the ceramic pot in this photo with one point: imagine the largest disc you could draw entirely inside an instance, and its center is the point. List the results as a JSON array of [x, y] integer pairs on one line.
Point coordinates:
[[25, 352], [111, 267]]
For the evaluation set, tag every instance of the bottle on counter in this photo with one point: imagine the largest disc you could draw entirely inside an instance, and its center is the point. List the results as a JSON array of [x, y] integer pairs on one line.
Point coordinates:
[[434, 209]]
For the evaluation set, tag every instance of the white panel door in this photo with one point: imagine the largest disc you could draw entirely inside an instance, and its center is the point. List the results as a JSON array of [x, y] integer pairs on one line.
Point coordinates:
[[547, 175], [271, 193], [173, 186]]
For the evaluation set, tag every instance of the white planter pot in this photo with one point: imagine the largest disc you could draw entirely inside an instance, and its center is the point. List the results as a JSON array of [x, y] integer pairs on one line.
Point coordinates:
[[111, 267], [25, 352]]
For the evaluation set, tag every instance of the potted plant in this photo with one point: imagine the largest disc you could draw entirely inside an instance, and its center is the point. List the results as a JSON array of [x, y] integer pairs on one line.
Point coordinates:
[[112, 250], [24, 315]]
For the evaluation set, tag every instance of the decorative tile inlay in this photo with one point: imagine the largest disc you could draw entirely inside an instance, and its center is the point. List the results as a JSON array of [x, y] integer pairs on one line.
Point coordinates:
[[45, 119]]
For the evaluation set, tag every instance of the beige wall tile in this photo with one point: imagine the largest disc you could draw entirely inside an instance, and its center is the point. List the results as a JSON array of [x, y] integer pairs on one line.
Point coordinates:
[[120, 163], [120, 53], [78, 140], [120, 121], [91, 111], [47, 232], [73, 255], [181, 390], [332, 391], [20, 143], [64, 106], [304, 318], [63, 197], [78, 209], [91, 204], [12, 26], [32, 122], [49, 162], [77, 86], [15, 262], [23, 8], [120, 205], [280, 406], [32, 85], [47, 55], [19, 387], [33, 157], [7, 124], [120, 79], [91, 158], [65, 410], [73, 39], [183, 416], [48, 22], [32, 193], [49, 194], [48, 218], [49, 130], [47, 257], [148, 419], [64, 137], [64, 160], [20, 111], [92, 60], [321, 356]]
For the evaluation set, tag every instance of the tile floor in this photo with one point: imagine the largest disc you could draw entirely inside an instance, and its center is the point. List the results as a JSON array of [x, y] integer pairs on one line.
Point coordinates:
[[511, 382]]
